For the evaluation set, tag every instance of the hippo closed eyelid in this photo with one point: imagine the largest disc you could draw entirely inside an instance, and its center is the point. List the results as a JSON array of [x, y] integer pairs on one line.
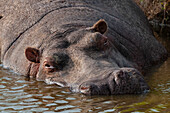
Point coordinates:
[[49, 66]]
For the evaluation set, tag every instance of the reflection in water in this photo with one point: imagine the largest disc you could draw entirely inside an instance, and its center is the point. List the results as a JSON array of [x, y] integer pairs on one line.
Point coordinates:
[[22, 95]]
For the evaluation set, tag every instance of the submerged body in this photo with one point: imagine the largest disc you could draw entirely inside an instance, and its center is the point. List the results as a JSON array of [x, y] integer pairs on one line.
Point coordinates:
[[93, 47]]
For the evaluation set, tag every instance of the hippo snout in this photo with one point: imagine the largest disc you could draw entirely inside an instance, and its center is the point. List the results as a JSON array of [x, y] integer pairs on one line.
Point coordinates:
[[123, 81]]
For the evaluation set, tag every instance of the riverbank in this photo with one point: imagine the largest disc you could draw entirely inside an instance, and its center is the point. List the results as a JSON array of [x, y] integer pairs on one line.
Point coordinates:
[[158, 14]]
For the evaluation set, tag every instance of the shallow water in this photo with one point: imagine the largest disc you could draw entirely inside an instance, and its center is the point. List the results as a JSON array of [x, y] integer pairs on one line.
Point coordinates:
[[18, 94], [21, 95]]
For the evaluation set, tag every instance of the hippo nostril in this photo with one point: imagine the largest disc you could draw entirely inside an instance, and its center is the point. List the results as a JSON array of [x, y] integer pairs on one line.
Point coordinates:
[[84, 89]]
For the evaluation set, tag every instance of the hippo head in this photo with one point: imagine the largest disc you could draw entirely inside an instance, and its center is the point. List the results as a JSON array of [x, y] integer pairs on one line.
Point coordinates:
[[86, 61]]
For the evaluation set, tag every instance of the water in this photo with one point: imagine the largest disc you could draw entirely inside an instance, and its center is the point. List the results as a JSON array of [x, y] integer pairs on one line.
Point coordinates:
[[18, 94]]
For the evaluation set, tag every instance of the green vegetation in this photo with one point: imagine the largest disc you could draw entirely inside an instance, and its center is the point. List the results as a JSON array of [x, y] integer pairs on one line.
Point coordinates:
[[157, 12]]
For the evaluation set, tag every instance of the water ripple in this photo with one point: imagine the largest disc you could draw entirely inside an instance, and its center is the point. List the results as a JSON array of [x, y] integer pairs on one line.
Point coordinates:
[[17, 94]]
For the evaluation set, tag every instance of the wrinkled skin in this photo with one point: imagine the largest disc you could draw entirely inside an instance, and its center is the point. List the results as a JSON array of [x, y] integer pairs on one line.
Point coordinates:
[[92, 47]]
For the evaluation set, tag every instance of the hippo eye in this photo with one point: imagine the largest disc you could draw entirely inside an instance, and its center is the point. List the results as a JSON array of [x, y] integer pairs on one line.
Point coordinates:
[[105, 42], [48, 66]]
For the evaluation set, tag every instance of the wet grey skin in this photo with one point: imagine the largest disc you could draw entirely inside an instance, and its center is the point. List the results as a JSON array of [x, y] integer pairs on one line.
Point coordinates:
[[93, 47]]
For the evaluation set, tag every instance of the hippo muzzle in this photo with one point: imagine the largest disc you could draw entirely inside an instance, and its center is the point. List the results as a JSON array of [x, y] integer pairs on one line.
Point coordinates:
[[122, 81]]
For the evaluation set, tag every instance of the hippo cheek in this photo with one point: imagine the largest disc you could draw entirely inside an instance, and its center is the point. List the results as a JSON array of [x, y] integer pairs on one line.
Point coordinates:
[[118, 82]]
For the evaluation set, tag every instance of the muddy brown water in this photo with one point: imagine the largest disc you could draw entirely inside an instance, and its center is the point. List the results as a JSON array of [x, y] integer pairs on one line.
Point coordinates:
[[18, 94]]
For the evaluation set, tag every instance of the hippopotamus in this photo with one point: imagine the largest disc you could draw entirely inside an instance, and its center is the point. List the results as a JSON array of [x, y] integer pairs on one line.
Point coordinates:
[[93, 47]]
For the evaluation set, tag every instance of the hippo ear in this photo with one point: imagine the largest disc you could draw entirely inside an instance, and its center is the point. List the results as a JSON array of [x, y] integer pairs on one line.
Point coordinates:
[[100, 26], [32, 54]]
